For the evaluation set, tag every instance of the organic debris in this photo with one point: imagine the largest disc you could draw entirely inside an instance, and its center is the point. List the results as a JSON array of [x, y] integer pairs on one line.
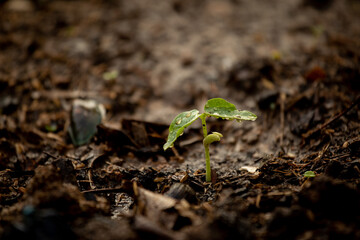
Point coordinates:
[[291, 174]]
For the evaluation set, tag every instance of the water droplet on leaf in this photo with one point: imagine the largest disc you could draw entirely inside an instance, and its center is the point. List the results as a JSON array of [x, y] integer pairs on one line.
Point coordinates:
[[178, 121]]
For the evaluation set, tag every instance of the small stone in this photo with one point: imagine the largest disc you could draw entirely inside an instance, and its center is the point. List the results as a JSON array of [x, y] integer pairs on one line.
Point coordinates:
[[181, 191], [85, 116]]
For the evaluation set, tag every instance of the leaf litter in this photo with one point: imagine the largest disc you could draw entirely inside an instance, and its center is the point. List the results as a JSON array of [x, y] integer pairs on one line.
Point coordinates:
[[300, 78]]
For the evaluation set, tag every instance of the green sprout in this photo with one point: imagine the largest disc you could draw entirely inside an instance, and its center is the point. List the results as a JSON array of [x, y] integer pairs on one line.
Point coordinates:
[[110, 75], [309, 174], [52, 127], [216, 107]]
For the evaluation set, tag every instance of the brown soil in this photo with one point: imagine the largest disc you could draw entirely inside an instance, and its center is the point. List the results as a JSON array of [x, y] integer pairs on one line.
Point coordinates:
[[296, 64]]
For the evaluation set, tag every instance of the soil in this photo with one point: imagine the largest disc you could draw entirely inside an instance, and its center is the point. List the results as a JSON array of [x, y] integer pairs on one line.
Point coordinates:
[[296, 64]]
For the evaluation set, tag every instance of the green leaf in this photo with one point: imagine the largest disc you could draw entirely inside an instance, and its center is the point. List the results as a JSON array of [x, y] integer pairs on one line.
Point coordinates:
[[309, 174], [178, 125], [218, 107], [52, 127], [111, 75]]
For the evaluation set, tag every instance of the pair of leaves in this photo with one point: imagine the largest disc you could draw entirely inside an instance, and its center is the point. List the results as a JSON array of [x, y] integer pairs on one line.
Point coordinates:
[[216, 107]]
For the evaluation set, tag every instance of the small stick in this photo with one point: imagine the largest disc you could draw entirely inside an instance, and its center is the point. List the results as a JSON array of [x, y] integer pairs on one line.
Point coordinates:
[[337, 116], [105, 190], [282, 116]]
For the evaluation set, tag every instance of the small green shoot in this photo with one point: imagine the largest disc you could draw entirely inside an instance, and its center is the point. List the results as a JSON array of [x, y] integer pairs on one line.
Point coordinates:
[[110, 75], [215, 136], [309, 174], [52, 127], [216, 107]]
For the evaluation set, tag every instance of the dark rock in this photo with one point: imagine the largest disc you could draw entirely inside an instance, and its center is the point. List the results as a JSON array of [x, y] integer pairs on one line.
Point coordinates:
[[182, 191]]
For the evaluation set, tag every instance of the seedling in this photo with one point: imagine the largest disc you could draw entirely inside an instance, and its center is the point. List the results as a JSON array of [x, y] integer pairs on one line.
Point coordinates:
[[216, 107], [309, 174]]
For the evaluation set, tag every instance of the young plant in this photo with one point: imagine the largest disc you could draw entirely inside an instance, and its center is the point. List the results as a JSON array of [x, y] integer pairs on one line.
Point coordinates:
[[216, 107], [309, 174]]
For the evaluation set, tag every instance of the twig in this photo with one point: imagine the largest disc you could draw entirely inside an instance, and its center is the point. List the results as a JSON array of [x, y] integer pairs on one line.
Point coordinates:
[[282, 117], [337, 116], [50, 155], [320, 155], [105, 190], [55, 94]]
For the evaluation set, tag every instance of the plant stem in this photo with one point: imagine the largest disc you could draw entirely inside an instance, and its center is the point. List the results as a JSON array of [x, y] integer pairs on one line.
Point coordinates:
[[203, 122], [208, 168], [206, 147], [214, 137]]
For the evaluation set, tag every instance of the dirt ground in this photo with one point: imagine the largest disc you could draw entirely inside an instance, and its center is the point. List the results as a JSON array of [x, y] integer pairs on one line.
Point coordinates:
[[295, 64]]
